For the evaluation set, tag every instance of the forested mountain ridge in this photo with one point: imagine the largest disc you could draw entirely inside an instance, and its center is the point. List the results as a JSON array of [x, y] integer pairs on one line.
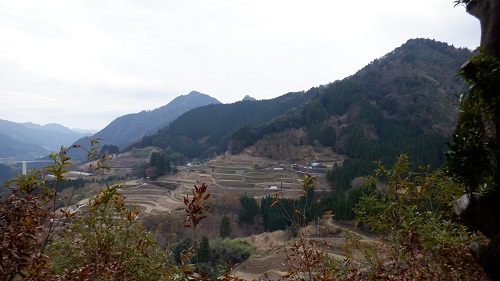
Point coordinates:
[[206, 131], [417, 81], [126, 129], [404, 102]]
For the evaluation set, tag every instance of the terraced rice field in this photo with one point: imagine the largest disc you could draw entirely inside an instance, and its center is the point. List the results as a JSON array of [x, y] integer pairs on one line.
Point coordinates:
[[236, 174], [150, 198], [239, 174]]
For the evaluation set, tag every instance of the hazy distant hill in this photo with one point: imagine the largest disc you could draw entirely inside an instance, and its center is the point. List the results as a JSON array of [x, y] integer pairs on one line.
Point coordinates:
[[26, 140], [11, 148]]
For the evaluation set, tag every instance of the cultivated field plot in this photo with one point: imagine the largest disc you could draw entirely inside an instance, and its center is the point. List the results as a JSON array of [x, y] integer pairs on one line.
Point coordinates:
[[238, 174], [150, 198]]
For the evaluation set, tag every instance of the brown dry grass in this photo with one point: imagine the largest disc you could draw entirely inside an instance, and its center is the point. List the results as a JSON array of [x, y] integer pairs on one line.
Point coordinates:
[[269, 259]]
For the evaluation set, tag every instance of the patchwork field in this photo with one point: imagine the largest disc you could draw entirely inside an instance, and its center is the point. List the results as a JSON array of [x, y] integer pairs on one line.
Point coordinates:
[[239, 174]]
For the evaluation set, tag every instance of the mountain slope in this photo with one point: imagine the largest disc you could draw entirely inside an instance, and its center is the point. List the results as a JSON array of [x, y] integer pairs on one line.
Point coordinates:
[[11, 148], [404, 102], [28, 140], [128, 128], [206, 131]]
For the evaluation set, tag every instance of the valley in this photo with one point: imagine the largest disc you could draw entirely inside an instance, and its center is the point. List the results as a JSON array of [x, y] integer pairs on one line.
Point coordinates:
[[238, 174], [235, 176], [399, 109]]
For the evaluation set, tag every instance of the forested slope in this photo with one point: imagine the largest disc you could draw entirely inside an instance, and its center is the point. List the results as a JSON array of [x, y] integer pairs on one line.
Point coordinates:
[[206, 131], [404, 102]]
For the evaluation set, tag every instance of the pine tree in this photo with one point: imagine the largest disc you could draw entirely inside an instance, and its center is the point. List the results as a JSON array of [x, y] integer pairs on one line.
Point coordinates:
[[204, 252], [250, 210], [225, 227]]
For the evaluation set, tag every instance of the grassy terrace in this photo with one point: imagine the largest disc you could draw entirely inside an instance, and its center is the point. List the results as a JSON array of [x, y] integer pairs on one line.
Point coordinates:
[[219, 176]]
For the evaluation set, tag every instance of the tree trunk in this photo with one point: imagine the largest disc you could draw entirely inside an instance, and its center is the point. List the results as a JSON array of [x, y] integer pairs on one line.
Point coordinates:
[[483, 213], [488, 13]]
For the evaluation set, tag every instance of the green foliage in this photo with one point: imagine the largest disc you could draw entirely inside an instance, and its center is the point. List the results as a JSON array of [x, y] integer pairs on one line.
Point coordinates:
[[225, 227], [107, 243], [341, 176], [403, 202], [225, 250], [340, 203], [204, 253], [217, 257], [474, 148], [109, 149], [314, 113], [414, 210], [250, 210], [159, 164], [278, 218], [394, 137], [281, 213]]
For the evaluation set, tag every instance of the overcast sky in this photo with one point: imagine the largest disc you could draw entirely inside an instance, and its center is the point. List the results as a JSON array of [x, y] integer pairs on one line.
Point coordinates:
[[84, 63]]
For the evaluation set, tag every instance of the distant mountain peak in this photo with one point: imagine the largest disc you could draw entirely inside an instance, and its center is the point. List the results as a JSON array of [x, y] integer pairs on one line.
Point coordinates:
[[195, 93], [247, 97], [128, 128]]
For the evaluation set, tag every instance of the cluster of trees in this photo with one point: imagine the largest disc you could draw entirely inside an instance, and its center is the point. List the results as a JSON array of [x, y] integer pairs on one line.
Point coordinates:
[[412, 210], [109, 149], [211, 257], [271, 216], [159, 164]]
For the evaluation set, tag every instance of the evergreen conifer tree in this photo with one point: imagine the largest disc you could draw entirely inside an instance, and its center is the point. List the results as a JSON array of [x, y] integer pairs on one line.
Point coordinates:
[[204, 252], [225, 227]]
